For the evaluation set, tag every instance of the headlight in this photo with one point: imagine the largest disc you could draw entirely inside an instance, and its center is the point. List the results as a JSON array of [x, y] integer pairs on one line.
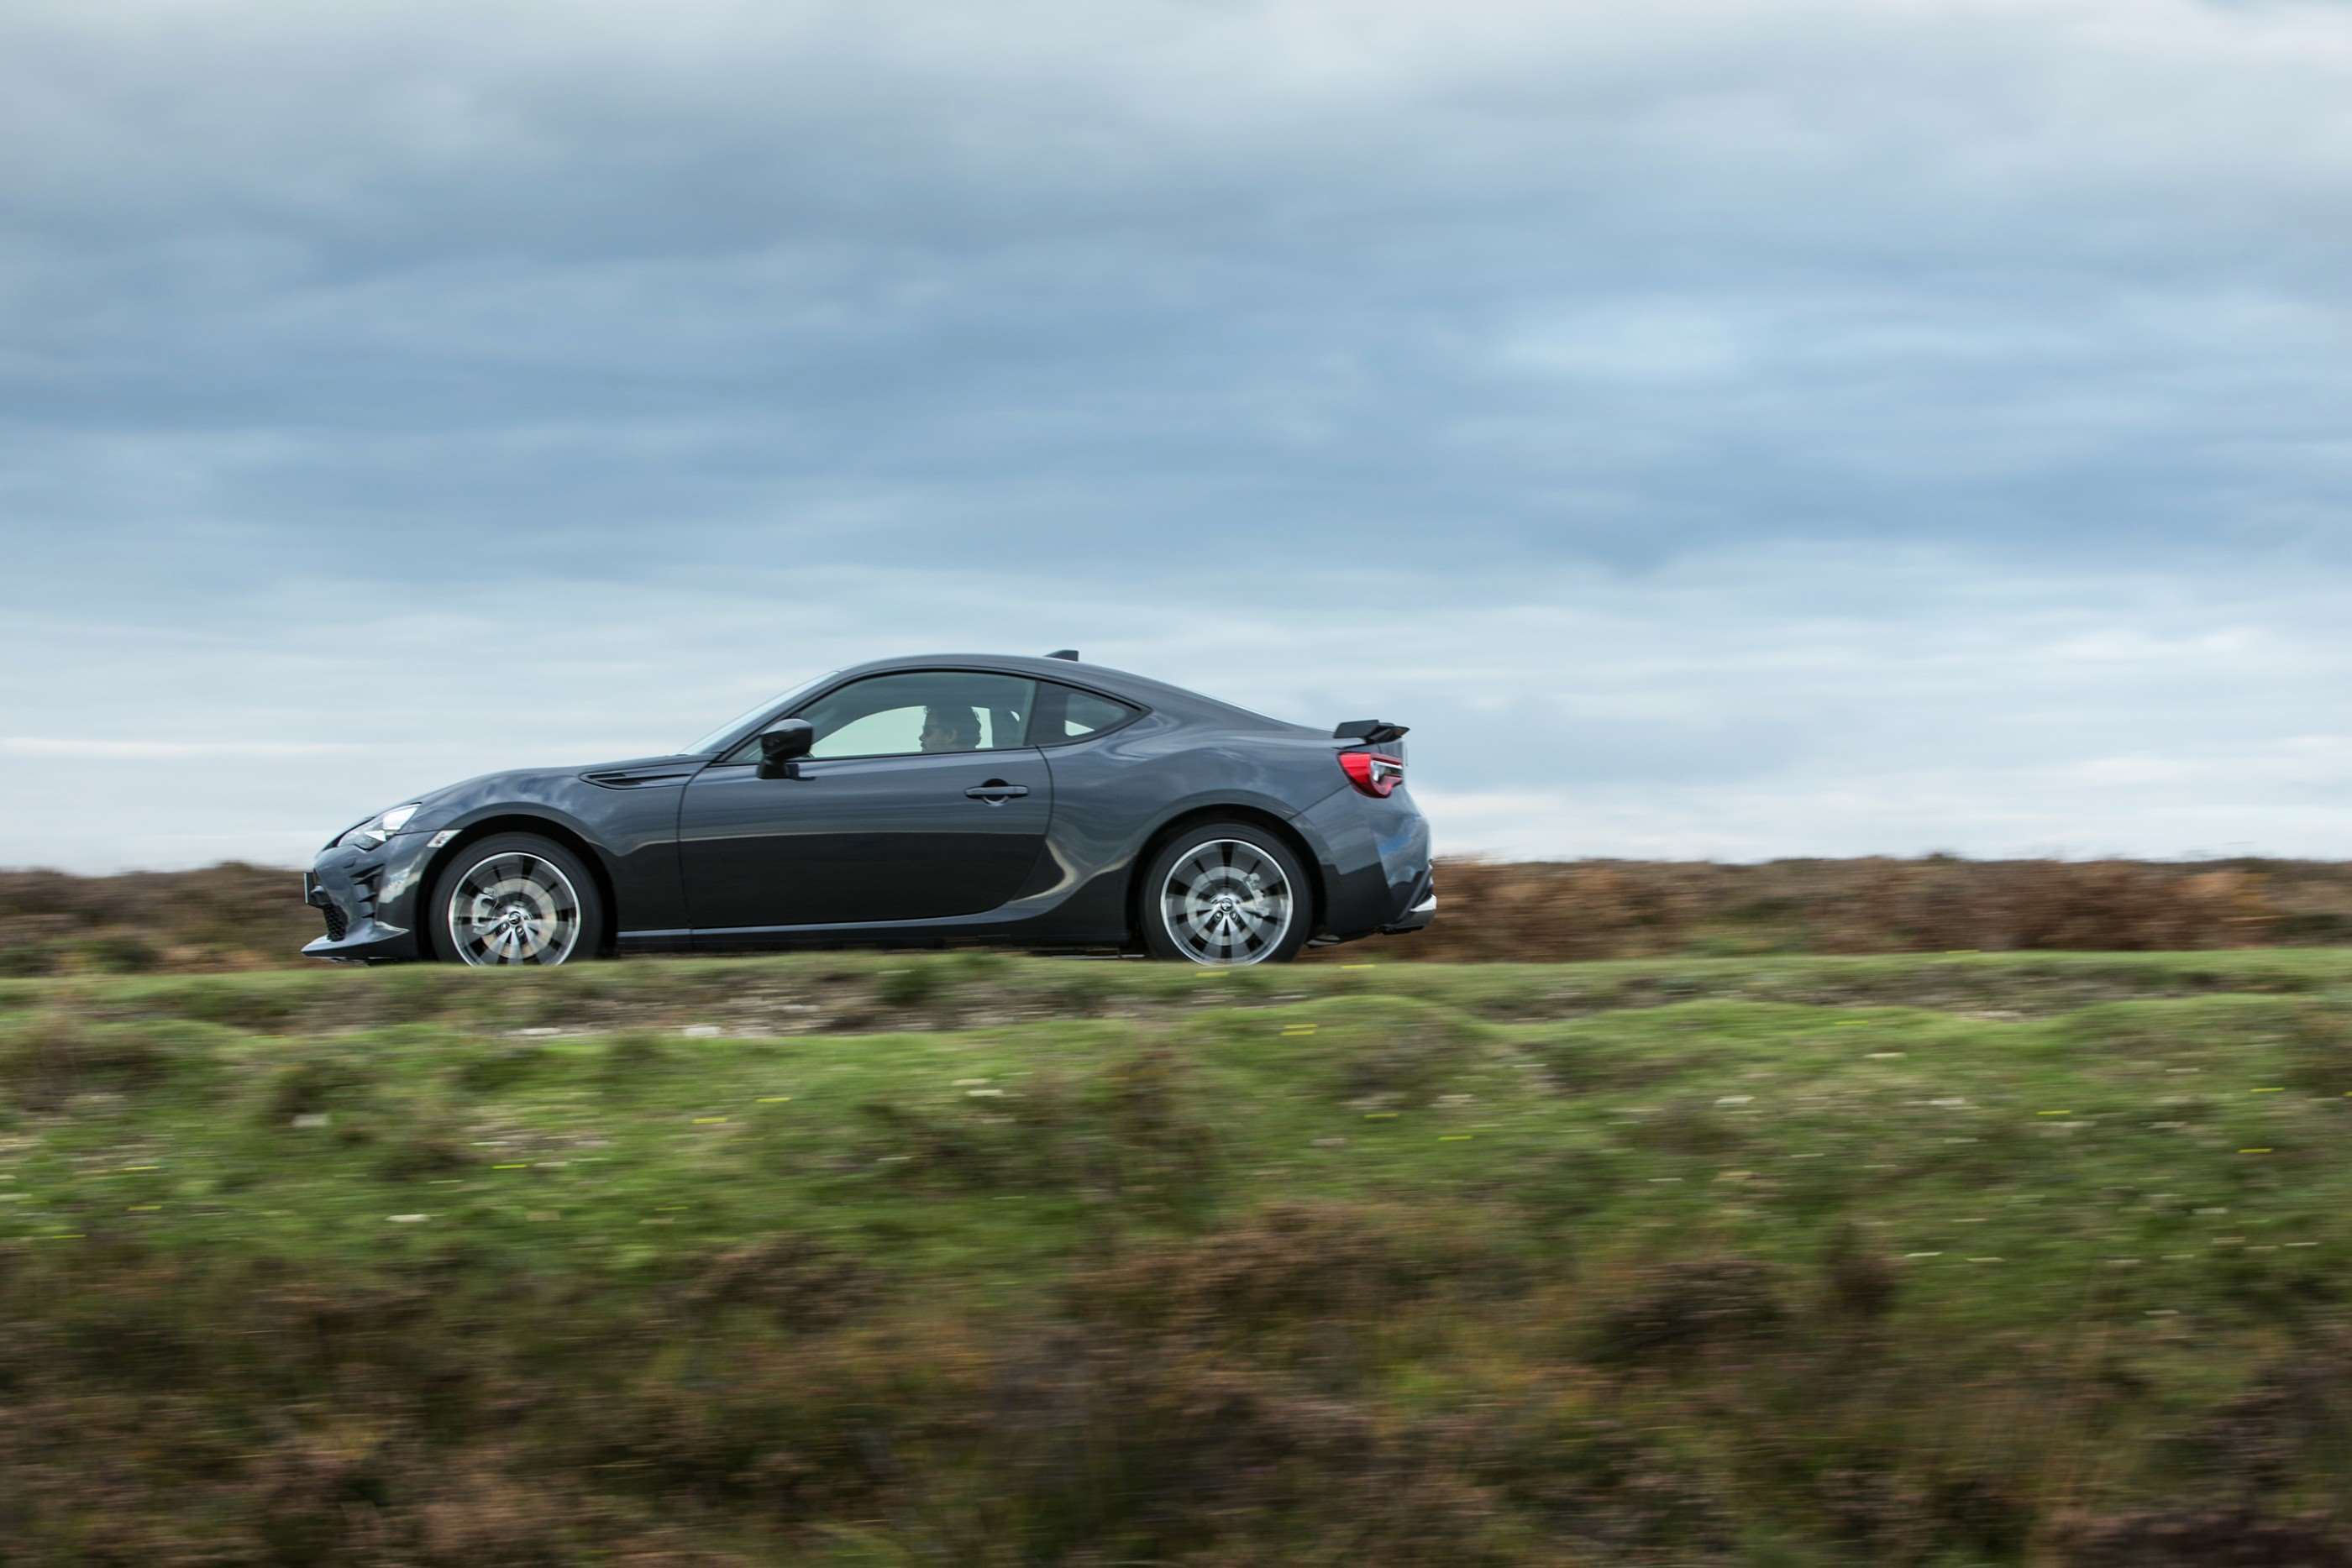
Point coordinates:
[[382, 826]]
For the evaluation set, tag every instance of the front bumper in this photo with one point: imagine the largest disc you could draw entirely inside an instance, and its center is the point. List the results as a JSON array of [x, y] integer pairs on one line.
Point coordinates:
[[369, 897]]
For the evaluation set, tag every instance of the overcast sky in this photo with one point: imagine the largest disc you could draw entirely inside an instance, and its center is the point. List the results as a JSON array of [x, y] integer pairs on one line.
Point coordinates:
[[1718, 428]]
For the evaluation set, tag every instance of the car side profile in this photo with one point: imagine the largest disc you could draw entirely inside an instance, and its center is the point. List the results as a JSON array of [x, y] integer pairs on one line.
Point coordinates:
[[1036, 802]]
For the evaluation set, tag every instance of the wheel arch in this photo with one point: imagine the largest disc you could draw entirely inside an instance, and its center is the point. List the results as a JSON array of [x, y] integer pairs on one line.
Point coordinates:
[[1200, 816], [428, 923]]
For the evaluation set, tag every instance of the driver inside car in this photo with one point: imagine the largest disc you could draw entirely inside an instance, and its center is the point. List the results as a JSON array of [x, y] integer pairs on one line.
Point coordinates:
[[949, 728]]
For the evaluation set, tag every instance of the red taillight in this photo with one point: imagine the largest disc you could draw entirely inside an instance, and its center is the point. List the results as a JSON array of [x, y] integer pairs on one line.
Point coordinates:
[[1373, 772]]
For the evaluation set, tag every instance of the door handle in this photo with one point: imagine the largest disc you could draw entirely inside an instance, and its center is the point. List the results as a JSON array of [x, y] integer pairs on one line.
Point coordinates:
[[996, 792]]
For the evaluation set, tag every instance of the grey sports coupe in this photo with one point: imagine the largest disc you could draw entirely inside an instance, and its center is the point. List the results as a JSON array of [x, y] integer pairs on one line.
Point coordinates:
[[1035, 802]]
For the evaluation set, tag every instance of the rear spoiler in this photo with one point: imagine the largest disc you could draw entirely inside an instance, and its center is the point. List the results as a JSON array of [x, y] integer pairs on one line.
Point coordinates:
[[1370, 731]]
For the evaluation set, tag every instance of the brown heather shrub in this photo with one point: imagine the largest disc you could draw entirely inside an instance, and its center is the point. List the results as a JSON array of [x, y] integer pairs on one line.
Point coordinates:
[[1680, 1310], [1859, 1280], [2319, 1049], [229, 916], [238, 917], [2223, 1536], [1129, 1133], [1544, 911], [1492, 913], [1111, 1449], [798, 1284], [182, 1410], [52, 1056], [1321, 1263], [2254, 1444]]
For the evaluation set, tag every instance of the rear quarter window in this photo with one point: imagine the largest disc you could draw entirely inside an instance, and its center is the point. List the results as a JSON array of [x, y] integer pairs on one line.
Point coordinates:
[[1066, 714]]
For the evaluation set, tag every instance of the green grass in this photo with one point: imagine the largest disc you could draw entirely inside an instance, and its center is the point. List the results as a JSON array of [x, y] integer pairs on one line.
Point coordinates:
[[1955, 1259]]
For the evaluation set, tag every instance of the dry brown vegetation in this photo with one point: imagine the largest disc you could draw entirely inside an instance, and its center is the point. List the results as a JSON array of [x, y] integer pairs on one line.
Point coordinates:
[[1546, 911], [230, 916], [238, 917], [1217, 1400]]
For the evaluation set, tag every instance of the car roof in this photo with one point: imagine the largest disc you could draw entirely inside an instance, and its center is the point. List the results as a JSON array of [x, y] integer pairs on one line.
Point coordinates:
[[1140, 689]]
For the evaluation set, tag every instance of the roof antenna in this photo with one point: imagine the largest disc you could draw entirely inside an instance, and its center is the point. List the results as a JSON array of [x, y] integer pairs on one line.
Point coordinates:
[[1070, 653]]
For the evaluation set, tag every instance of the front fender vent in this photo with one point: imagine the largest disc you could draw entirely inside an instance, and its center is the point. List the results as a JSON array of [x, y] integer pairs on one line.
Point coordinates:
[[641, 778]]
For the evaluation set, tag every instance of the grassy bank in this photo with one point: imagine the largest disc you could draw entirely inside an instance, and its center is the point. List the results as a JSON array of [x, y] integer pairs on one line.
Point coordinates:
[[1961, 1259]]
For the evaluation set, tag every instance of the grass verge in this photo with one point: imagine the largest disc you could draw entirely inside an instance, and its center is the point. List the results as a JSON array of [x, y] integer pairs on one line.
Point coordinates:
[[1967, 1259]]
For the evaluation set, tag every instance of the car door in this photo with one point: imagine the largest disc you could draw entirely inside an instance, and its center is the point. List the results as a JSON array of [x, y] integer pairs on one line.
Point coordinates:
[[919, 800]]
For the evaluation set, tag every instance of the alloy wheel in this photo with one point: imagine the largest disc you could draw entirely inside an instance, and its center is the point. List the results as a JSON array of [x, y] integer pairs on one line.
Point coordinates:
[[513, 908], [1226, 902]]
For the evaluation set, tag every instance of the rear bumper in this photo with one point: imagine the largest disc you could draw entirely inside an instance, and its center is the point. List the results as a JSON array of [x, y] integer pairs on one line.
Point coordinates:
[[1375, 864], [1414, 918], [369, 898]]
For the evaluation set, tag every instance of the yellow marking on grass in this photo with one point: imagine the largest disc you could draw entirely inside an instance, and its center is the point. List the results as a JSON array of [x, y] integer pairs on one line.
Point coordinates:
[[773, 1099], [1360, 965], [142, 1167], [516, 1166], [2053, 1112], [1299, 1028], [2260, 1151], [706, 1121], [142, 1209], [2279, 1091], [1453, 1137]]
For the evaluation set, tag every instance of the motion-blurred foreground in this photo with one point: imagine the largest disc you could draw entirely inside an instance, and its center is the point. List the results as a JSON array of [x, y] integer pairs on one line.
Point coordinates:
[[243, 916], [973, 1259]]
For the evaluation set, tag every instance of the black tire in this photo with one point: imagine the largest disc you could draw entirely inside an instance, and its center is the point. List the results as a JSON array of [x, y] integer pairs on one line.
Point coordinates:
[[1207, 898], [508, 874]]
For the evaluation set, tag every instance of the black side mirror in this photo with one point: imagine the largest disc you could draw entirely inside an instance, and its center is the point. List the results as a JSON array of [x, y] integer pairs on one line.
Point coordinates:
[[782, 745]]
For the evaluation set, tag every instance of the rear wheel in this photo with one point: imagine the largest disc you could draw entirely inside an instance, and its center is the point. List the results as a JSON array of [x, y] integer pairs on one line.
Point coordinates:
[[1225, 895], [516, 899]]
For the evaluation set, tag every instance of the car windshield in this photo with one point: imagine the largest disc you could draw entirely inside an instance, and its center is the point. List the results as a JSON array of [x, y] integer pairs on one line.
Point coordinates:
[[759, 710]]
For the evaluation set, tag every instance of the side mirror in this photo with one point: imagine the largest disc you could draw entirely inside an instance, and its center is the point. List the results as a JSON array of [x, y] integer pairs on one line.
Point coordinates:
[[782, 745]]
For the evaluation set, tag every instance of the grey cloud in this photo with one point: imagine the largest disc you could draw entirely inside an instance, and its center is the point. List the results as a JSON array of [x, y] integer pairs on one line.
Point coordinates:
[[1785, 397]]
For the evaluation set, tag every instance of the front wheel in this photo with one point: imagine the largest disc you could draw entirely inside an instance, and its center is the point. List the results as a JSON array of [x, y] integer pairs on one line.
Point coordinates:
[[516, 899], [1226, 894]]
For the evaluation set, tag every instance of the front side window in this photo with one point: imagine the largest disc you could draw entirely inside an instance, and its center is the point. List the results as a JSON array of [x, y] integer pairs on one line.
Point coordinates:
[[921, 711]]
